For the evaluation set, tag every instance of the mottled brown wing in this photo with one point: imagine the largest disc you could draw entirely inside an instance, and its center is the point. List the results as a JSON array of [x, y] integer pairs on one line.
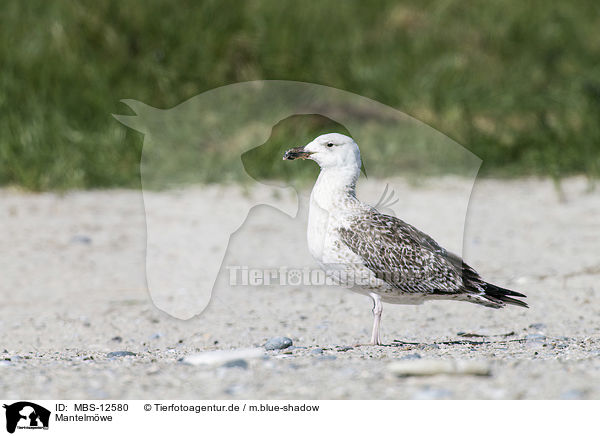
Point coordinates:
[[405, 257]]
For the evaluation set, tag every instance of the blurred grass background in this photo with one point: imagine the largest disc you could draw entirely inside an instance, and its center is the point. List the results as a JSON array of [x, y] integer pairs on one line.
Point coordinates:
[[517, 83]]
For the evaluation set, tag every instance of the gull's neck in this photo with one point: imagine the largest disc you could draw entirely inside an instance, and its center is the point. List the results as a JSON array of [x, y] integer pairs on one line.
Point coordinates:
[[336, 188]]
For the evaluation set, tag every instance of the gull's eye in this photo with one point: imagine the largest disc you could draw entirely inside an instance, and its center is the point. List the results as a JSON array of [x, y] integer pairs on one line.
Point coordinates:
[[330, 144]]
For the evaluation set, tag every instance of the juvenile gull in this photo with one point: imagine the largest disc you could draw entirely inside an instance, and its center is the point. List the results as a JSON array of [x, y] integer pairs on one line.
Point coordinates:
[[379, 255]]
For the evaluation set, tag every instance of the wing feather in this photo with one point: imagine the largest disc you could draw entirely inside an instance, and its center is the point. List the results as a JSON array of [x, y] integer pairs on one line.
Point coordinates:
[[407, 258]]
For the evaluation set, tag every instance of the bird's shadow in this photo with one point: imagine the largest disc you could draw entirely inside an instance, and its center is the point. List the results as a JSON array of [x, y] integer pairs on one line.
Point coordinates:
[[396, 343]]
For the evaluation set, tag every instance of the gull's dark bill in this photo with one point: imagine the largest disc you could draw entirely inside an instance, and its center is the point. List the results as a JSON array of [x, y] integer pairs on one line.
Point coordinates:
[[296, 153]]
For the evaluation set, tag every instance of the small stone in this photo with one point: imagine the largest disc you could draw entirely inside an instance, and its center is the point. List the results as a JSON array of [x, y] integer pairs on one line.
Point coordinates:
[[423, 367], [234, 389], [155, 336], [316, 351], [432, 394], [327, 357], [81, 239], [537, 326], [535, 341], [120, 354], [535, 337], [411, 356], [238, 363], [344, 349], [118, 339], [278, 343], [573, 394]]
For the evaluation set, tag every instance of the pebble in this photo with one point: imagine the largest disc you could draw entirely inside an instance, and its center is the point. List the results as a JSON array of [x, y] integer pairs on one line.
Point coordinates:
[[535, 341], [432, 394], [117, 339], [411, 356], [327, 357], [423, 367], [221, 357], [316, 351], [278, 343], [238, 363], [81, 239], [573, 394], [120, 354], [537, 326], [234, 389]]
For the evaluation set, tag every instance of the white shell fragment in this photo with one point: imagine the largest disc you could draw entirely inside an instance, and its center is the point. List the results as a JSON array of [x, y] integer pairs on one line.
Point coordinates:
[[422, 367]]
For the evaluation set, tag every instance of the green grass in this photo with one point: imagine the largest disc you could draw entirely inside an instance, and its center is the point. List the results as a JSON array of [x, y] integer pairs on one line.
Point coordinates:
[[517, 83]]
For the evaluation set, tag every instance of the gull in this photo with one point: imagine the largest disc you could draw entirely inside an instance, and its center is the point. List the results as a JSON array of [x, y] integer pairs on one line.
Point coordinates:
[[379, 255]]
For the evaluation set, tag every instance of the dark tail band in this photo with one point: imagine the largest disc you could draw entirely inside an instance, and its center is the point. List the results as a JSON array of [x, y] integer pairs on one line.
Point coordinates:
[[504, 295]]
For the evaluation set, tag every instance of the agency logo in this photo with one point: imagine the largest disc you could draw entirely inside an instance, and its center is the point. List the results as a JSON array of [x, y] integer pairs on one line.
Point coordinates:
[[26, 415]]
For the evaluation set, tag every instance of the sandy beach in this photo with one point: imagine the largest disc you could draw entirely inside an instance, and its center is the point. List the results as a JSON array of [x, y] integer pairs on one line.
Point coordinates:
[[74, 289]]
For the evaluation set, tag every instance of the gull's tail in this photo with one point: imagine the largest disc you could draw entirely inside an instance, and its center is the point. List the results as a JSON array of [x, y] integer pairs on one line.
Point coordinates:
[[496, 293]]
